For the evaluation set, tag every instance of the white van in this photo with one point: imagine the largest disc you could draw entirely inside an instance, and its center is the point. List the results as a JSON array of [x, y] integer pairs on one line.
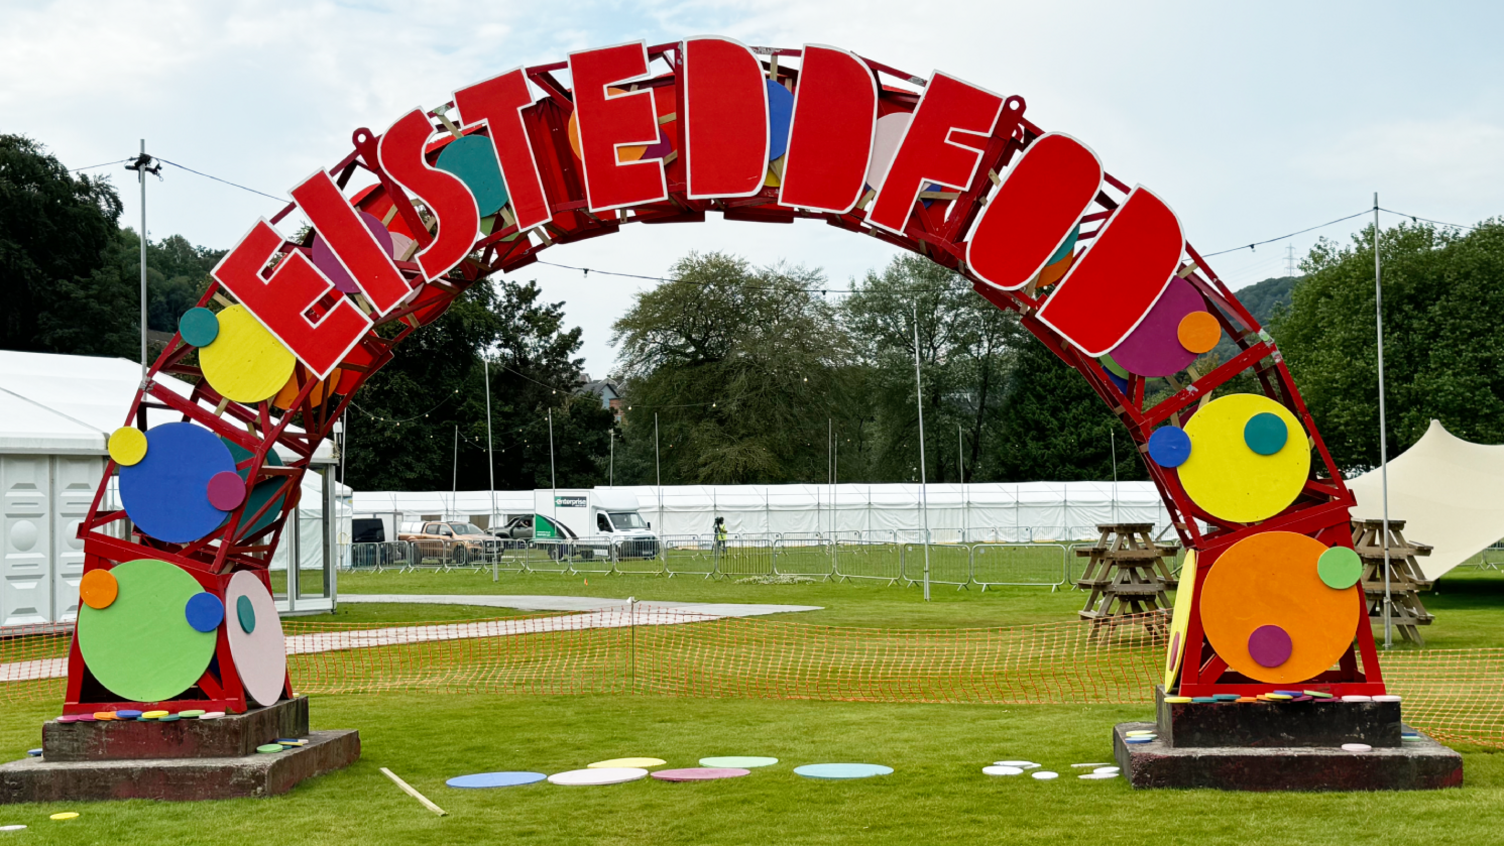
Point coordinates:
[[595, 517]]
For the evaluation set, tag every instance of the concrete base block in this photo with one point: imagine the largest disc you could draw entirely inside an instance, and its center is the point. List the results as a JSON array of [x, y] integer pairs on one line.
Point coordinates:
[[1415, 765], [178, 779], [228, 737]]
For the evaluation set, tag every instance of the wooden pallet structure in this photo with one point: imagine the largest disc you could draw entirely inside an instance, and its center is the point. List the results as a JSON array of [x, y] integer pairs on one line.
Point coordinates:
[[1126, 573], [1406, 580]]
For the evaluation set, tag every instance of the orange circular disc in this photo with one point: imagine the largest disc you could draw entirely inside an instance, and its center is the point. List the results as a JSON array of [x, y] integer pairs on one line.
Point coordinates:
[[98, 589], [1199, 332], [289, 392], [623, 154], [1270, 582]]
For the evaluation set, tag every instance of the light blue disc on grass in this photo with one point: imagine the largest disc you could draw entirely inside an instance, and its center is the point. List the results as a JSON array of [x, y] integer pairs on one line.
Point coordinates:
[[842, 771], [473, 160], [745, 762], [508, 779]]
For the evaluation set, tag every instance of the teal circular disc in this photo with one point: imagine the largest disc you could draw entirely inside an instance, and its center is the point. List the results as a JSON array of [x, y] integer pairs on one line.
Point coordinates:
[[473, 160], [199, 327], [1265, 433], [842, 771], [743, 762], [141, 647], [246, 613]]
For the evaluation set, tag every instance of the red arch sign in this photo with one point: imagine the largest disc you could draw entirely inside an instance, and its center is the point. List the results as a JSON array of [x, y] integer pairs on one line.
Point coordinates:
[[1099, 271]]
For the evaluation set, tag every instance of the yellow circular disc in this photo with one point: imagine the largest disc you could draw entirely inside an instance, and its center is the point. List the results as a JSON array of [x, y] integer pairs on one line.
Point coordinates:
[[152, 715], [127, 446], [1226, 477], [1180, 622], [246, 363], [1269, 581], [628, 762], [66, 815]]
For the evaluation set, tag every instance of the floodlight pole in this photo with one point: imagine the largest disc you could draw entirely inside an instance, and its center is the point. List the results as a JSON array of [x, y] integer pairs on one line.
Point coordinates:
[[1378, 312], [924, 504], [961, 477], [454, 491], [490, 455], [142, 167]]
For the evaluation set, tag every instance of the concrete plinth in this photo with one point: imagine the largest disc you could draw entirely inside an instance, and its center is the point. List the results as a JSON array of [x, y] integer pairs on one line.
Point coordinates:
[[177, 779], [228, 737], [1414, 765]]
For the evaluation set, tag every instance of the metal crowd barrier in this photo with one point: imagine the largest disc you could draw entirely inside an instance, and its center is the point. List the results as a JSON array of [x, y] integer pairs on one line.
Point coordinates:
[[807, 555], [1020, 564]]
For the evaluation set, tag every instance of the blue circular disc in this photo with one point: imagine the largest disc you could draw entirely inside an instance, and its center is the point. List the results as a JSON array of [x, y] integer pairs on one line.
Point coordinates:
[[245, 612], [166, 494], [198, 326], [473, 160], [127, 714], [479, 780], [780, 115], [842, 771], [204, 611], [1265, 433], [1169, 446]]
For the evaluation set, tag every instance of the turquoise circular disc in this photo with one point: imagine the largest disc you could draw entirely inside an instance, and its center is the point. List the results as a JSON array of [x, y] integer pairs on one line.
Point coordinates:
[[508, 779], [199, 327], [246, 613], [744, 762], [473, 160], [1265, 433], [264, 490], [142, 647], [842, 771]]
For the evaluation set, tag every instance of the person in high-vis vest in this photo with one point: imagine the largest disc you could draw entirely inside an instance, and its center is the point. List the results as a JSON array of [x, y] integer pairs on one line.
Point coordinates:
[[720, 534]]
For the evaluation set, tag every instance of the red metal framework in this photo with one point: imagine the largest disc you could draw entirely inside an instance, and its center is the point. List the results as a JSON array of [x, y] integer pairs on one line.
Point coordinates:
[[937, 228]]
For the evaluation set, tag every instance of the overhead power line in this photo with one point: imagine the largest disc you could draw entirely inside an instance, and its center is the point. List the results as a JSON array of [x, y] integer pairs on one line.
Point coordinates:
[[282, 200]]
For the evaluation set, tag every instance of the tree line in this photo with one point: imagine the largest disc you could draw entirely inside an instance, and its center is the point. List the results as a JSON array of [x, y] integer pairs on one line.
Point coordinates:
[[738, 372]]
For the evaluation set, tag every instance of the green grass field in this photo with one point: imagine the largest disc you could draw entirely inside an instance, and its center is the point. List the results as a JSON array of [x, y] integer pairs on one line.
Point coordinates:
[[936, 795]]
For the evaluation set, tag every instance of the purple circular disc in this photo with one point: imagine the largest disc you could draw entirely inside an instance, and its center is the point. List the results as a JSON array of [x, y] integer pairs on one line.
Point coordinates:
[[325, 261], [1153, 347], [664, 146], [700, 773], [1269, 645], [226, 490]]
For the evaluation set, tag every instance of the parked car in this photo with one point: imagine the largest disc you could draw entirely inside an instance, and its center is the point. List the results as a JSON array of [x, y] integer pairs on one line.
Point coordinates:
[[517, 528], [451, 541]]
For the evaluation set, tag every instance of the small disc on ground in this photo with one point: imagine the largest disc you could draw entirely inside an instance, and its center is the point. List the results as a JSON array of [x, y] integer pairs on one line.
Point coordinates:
[[598, 776], [1002, 771], [269, 748], [701, 773], [34, 753], [1099, 776], [191, 713], [504, 779], [212, 715], [749, 762], [1108, 769], [1045, 775], [1356, 747], [618, 763], [65, 815], [842, 771], [1386, 698], [12, 827], [1024, 764]]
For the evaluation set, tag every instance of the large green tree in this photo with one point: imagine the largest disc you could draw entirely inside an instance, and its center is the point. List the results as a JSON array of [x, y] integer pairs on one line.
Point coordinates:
[[740, 365], [1443, 353], [55, 231]]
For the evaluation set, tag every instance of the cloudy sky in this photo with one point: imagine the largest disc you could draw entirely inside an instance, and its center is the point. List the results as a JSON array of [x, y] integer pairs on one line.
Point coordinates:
[[1252, 120]]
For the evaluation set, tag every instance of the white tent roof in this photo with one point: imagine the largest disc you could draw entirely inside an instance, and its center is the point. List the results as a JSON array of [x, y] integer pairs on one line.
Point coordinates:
[[1449, 492], [69, 404]]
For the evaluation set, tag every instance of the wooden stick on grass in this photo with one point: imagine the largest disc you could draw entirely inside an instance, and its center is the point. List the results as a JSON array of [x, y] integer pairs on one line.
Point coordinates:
[[408, 789]]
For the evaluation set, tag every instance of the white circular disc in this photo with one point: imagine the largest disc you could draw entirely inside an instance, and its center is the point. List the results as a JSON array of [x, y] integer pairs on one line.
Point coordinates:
[[1357, 698], [11, 827], [260, 655], [885, 140], [1045, 775], [1386, 698], [1002, 771], [1100, 770], [1356, 747], [598, 776], [1098, 776], [1028, 765]]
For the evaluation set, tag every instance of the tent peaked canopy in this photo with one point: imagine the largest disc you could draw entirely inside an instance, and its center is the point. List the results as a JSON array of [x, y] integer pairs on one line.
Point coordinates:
[[1449, 492]]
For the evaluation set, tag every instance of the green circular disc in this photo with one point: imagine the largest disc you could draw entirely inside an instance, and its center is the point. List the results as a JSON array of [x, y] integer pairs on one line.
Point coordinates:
[[1113, 367], [141, 647], [247, 614], [743, 762], [1339, 568], [270, 748]]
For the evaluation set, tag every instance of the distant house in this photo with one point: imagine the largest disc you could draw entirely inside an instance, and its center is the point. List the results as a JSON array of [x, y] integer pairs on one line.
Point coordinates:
[[608, 391]]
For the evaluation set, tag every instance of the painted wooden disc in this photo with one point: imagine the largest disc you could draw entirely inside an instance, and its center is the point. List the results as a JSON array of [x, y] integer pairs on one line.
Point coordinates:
[[747, 762], [329, 264], [1270, 579], [840, 772], [260, 655], [780, 115], [166, 494], [127, 446], [204, 611], [198, 326], [97, 589], [285, 397], [598, 776], [142, 648], [1153, 348], [473, 160], [1199, 332], [701, 773], [628, 762], [226, 490], [485, 780], [885, 140], [246, 363], [1002, 771], [1231, 480], [623, 154], [1339, 567]]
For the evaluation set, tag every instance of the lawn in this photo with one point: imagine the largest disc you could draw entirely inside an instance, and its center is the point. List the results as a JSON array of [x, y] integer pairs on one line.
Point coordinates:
[[936, 795]]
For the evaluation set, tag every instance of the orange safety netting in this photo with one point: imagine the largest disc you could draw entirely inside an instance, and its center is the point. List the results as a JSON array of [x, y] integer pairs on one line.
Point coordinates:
[[1455, 695]]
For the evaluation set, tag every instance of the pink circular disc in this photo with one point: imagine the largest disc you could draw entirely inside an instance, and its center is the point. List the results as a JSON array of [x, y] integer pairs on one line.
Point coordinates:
[[226, 490], [325, 261], [700, 773], [1153, 348], [1269, 645]]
